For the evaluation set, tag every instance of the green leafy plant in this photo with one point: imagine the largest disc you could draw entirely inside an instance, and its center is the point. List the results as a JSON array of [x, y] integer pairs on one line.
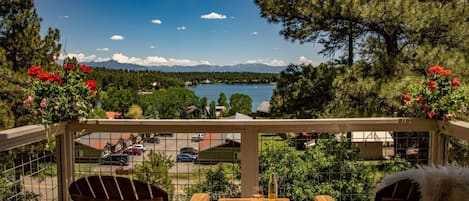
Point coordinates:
[[439, 96], [64, 95]]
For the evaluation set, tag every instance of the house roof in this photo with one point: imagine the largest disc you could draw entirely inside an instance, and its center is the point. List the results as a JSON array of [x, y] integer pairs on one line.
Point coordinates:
[[239, 116], [100, 140], [113, 115], [212, 140], [264, 107], [372, 136]]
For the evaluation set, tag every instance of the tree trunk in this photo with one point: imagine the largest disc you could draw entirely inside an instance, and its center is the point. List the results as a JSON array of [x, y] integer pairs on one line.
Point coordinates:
[[350, 45]]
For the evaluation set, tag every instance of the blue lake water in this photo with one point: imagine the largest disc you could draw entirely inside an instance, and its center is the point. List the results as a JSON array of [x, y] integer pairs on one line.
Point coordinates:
[[257, 92]]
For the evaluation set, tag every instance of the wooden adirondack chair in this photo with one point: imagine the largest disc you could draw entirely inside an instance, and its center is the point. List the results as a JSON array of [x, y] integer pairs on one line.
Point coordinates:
[[115, 188]]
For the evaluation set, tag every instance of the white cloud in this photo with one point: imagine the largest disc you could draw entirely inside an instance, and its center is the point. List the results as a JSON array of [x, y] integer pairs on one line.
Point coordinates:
[[181, 28], [152, 47], [255, 33], [64, 17], [156, 61], [156, 21], [82, 57], [117, 37], [304, 60], [273, 62], [213, 16], [102, 49]]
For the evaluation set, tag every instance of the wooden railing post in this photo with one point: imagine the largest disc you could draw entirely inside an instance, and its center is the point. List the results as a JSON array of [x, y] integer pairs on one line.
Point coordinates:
[[249, 161], [438, 149], [65, 162]]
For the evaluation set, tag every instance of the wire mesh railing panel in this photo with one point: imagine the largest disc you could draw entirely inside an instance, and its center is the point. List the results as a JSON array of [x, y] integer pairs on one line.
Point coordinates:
[[346, 166], [28, 173], [180, 163]]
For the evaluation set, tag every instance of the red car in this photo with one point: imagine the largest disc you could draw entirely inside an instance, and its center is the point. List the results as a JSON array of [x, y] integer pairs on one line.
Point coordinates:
[[133, 151]]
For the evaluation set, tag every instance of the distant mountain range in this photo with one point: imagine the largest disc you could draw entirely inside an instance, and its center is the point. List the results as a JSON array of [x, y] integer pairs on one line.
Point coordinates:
[[256, 68]]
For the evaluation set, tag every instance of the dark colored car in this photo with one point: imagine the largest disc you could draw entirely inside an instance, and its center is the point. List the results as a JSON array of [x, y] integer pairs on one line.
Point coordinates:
[[133, 151], [153, 140], [114, 159], [185, 158], [166, 134], [189, 150]]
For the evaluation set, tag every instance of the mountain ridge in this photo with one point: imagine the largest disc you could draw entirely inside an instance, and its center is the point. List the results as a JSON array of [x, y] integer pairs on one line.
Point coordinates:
[[254, 68]]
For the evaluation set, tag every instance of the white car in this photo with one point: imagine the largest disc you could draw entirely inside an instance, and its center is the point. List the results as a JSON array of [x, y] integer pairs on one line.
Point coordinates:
[[197, 138], [139, 146]]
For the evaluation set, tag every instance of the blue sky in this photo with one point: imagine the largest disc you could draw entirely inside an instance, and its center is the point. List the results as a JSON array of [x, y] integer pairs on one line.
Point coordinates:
[[171, 32]]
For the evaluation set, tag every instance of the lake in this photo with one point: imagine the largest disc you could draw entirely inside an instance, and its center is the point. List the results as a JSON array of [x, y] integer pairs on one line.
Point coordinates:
[[257, 92]]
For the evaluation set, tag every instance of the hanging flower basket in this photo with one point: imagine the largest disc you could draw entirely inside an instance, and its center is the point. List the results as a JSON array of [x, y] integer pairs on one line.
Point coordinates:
[[439, 96], [62, 96]]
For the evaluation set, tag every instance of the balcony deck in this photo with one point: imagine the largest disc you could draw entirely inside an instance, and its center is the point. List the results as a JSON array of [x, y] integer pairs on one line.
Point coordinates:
[[253, 135]]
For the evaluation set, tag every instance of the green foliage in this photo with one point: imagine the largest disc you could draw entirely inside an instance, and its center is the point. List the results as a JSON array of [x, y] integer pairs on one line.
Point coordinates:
[[331, 167], [303, 91], [216, 183], [135, 112], [21, 39], [240, 103], [119, 100], [458, 152], [169, 103], [154, 169], [97, 113], [212, 110]]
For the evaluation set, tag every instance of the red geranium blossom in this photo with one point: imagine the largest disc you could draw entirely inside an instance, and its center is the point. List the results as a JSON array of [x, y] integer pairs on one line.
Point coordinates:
[[425, 106], [419, 99], [34, 70], [57, 78], [406, 97], [431, 114], [85, 69], [69, 67], [435, 70], [455, 82], [432, 85], [91, 84], [45, 76], [446, 72]]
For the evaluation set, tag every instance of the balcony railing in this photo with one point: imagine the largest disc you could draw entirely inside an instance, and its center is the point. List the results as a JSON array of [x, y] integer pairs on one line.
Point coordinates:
[[26, 174]]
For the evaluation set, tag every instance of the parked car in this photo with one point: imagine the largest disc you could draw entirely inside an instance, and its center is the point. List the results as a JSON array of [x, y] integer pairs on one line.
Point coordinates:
[[189, 150], [153, 140], [114, 159], [185, 158], [139, 146], [166, 134], [197, 138], [133, 151]]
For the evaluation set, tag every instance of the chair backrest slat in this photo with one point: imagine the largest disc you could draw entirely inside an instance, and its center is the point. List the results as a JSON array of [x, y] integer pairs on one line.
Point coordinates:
[[126, 187], [111, 187], [98, 189]]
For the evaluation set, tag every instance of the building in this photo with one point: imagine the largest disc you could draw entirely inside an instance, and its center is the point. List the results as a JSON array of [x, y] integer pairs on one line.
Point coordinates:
[[89, 148], [373, 144], [220, 147], [263, 109]]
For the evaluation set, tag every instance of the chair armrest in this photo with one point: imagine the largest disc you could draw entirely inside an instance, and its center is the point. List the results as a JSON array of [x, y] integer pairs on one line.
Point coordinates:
[[200, 197], [323, 198]]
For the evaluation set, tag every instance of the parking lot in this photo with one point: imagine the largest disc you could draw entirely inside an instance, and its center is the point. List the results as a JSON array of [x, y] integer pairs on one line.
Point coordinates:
[[169, 145]]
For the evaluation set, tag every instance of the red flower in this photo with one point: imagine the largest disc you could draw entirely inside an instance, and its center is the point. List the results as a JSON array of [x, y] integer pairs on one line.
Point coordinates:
[[69, 67], [435, 70], [91, 84], [425, 106], [43, 103], [85, 69], [34, 70], [447, 117], [419, 99], [93, 91], [28, 100], [431, 114], [455, 82], [44, 76], [446, 72], [406, 97], [56, 77], [432, 85]]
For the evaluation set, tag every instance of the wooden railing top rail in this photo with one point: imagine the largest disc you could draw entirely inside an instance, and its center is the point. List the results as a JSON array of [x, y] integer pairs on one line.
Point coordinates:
[[16, 137]]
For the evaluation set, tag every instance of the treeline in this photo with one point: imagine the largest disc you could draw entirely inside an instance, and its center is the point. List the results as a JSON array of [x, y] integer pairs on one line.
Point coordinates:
[[148, 80]]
